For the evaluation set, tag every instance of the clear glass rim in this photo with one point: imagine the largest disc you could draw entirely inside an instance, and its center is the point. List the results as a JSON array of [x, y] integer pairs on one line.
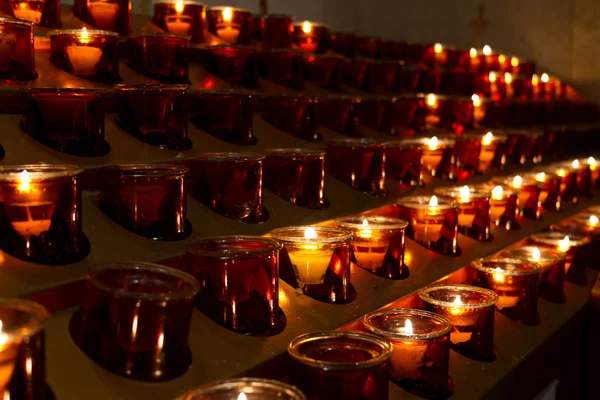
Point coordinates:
[[185, 2], [375, 223], [67, 91], [221, 92], [355, 142], [272, 246], [386, 350], [141, 266], [425, 295], [236, 9], [496, 138], [144, 170], [509, 181], [241, 383], [479, 265], [16, 21], [295, 234], [301, 152], [236, 46], [442, 143], [409, 312], [453, 192], [575, 240], [547, 255], [90, 32], [489, 187], [159, 34], [160, 87], [229, 157], [415, 203], [312, 23], [533, 175], [10, 173], [38, 315]]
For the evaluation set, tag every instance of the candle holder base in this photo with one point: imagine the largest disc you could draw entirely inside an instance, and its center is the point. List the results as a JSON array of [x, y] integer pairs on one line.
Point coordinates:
[[422, 388], [390, 269], [35, 251]]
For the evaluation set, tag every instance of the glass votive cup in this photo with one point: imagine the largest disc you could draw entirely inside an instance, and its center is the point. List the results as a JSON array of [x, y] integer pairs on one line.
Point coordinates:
[[377, 244], [473, 210], [68, 120], [594, 171], [383, 74], [340, 365], [282, 66], [367, 46], [582, 172], [322, 69], [408, 115], [355, 72], [569, 191], [360, 163], [88, 54], [156, 114], [231, 184], [340, 113], [293, 114], [225, 114], [504, 205], [234, 63], [45, 13], [529, 191], [552, 276], [276, 30], [492, 150], [239, 283], [184, 17], [432, 222], [438, 158], [311, 37], [28, 380], [297, 175], [550, 197], [146, 199], [160, 56], [403, 163], [575, 247], [230, 24], [516, 282], [375, 112], [394, 50], [110, 15], [135, 320], [343, 43], [522, 146], [453, 113], [316, 262], [585, 223], [252, 388], [470, 310], [421, 349], [41, 214]]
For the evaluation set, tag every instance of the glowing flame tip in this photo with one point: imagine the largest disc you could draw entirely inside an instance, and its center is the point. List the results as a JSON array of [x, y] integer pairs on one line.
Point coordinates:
[[310, 233]]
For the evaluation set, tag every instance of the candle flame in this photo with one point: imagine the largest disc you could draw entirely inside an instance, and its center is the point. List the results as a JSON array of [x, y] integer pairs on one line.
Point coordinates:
[[25, 182], [501, 58], [456, 310], [540, 177], [497, 193], [575, 164], [242, 396], [408, 327], [487, 50], [473, 52], [545, 78], [508, 77], [535, 80], [179, 7], [306, 27], [492, 76], [365, 222], [561, 172], [438, 48], [457, 301], [227, 14], [433, 202], [488, 138], [433, 143], [499, 276], [84, 36], [365, 232], [564, 245], [476, 100], [594, 220], [536, 254], [514, 61], [465, 193], [517, 181], [431, 100], [591, 161], [310, 233]]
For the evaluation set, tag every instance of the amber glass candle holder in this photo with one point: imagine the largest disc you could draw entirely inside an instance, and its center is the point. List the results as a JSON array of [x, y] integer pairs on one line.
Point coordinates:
[[284, 67], [516, 283], [293, 114], [432, 222], [377, 244], [89, 54], [149, 200], [234, 63], [375, 112], [311, 37], [582, 176], [438, 158], [316, 262], [277, 30], [44, 13], [360, 163], [135, 320], [550, 197], [403, 163], [28, 379], [569, 191], [421, 349], [470, 310], [230, 184], [453, 113], [504, 205], [343, 43], [340, 113], [41, 214], [492, 150], [230, 24], [68, 120], [394, 50], [574, 245], [17, 56], [251, 388], [225, 114], [473, 210], [184, 17], [552, 276], [110, 15], [594, 171], [355, 72], [340, 365], [160, 56], [529, 191], [322, 70], [239, 285], [297, 175]]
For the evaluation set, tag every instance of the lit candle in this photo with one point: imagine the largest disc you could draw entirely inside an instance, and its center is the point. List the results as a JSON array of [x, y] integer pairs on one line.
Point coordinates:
[[38, 212], [492, 77], [310, 262], [478, 109], [528, 191], [498, 203], [475, 61], [179, 23], [440, 55], [489, 148], [28, 10], [473, 210], [242, 396], [508, 80], [594, 170], [104, 13], [256, 389], [227, 29], [83, 56]]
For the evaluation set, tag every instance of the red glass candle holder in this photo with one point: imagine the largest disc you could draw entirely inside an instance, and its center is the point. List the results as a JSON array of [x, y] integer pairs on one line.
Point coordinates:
[[285, 67], [432, 222], [135, 320], [586, 223], [529, 191], [515, 282], [438, 158], [155, 114], [239, 285], [234, 64], [43, 13], [297, 175], [421, 349], [550, 197], [408, 78], [408, 115], [470, 310], [437, 55], [360, 163], [467, 150], [356, 72], [448, 112], [343, 44], [394, 50], [231, 25], [184, 17], [322, 69], [383, 74], [28, 379], [87, 54], [574, 245], [594, 172], [403, 163], [294, 114], [276, 30], [375, 112], [377, 244], [492, 152], [230, 184], [225, 114], [569, 192], [368, 47], [41, 214], [340, 113], [581, 170], [109, 15], [160, 56], [265, 389], [316, 261], [504, 205], [149, 200], [336, 365], [67, 120], [552, 276], [311, 37], [522, 146], [483, 111], [473, 210]]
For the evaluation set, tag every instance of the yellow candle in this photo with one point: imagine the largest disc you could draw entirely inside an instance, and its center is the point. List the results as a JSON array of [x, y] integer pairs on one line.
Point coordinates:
[[227, 30], [84, 58]]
